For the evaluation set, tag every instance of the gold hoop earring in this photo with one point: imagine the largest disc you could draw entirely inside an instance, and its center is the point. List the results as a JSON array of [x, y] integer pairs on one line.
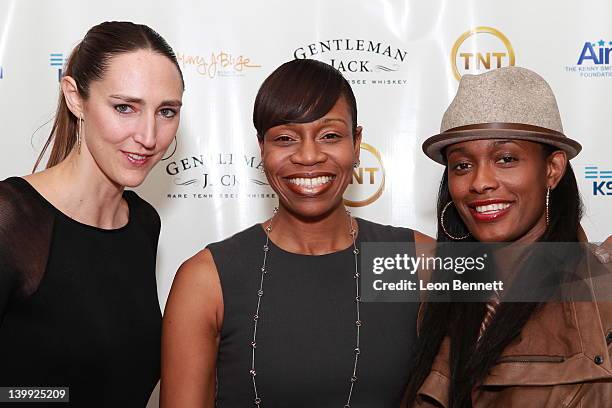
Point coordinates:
[[444, 228], [547, 206]]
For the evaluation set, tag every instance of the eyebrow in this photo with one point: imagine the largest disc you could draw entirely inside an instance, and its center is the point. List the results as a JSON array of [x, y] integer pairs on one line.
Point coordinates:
[[503, 142], [321, 120], [494, 143], [327, 120], [451, 150], [132, 99]]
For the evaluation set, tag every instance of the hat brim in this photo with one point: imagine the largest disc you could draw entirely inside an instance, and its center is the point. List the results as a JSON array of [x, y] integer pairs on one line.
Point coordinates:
[[434, 146]]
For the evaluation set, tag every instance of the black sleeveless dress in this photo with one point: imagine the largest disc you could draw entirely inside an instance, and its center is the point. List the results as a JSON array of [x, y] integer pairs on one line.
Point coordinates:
[[306, 329], [78, 304]]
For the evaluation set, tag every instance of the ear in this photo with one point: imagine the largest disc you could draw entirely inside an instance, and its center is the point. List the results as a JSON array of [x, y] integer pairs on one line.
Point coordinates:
[[71, 96], [357, 143], [556, 163]]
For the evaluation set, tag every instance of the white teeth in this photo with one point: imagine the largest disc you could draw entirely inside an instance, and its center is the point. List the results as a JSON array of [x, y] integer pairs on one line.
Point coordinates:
[[492, 207], [136, 157], [311, 183]]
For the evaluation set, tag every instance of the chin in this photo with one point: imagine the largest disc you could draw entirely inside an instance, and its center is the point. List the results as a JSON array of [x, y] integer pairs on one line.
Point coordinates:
[[131, 180], [493, 235], [311, 210]]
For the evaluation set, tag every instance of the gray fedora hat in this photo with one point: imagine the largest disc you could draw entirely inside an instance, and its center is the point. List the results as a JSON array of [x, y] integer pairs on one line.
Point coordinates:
[[505, 103]]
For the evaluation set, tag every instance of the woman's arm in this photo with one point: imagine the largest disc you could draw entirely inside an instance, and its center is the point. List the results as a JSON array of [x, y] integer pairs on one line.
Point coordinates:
[[191, 332]]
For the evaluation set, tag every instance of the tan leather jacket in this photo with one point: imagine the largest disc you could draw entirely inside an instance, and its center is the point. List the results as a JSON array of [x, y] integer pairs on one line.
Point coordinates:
[[562, 359]]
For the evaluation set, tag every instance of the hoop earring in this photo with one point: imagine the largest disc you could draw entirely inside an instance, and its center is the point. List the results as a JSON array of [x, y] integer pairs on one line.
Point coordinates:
[[173, 151], [79, 134], [547, 206], [444, 228]]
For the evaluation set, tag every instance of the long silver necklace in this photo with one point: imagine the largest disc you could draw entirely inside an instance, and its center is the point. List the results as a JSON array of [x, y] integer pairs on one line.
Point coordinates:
[[266, 248]]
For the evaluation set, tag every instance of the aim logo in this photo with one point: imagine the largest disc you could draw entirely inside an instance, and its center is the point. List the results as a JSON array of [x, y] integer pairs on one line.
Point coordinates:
[[597, 52]]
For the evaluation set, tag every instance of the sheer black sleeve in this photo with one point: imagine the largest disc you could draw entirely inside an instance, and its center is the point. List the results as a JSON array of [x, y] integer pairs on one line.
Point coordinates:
[[145, 216], [26, 226]]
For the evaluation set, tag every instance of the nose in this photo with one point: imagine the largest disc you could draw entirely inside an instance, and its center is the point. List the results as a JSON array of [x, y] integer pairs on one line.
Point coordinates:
[[146, 132], [483, 179], [308, 153]]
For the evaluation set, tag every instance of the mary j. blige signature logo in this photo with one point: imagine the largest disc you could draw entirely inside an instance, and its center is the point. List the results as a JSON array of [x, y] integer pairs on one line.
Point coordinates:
[[217, 64]]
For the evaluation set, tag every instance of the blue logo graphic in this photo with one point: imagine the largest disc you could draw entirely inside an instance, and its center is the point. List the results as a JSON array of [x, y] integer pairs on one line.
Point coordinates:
[[56, 60], [597, 52], [599, 187]]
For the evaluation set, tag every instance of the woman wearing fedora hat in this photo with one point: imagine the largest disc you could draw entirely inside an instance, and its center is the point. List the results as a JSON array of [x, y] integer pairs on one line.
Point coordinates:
[[508, 179]]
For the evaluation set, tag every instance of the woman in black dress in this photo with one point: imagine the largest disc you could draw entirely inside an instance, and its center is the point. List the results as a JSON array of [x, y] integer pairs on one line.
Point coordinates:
[[308, 341], [78, 299]]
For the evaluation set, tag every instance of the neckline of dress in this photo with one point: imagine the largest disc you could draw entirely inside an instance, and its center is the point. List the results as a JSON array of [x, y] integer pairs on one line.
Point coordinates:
[[261, 231], [71, 220]]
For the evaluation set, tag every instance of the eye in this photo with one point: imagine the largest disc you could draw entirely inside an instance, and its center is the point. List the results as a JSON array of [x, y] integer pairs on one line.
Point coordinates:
[[461, 166], [506, 159], [167, 113], [283, 138], [330, 136], [123, 108]]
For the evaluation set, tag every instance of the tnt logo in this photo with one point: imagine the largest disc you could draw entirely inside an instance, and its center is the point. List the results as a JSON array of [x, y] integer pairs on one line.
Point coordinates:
[[56, 60], [602, 180], [597, 52], [368, 180], [479, 50]]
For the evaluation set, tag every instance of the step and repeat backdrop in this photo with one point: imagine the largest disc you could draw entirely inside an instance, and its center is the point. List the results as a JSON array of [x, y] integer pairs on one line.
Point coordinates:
[[403, 59]]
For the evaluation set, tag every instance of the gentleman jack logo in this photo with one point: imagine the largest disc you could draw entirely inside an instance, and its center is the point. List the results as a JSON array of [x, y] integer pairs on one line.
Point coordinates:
[[363, 62]]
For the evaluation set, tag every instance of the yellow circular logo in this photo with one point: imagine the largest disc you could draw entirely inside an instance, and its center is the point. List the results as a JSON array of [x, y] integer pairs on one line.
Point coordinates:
[[368, 180], [474, 53]]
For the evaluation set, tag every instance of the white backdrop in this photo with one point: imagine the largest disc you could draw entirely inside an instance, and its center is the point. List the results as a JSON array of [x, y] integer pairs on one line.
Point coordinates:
[[398, 55]]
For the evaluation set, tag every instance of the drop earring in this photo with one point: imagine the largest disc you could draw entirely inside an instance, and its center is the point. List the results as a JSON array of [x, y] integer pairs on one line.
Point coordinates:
[[79, 134], [547, 206]]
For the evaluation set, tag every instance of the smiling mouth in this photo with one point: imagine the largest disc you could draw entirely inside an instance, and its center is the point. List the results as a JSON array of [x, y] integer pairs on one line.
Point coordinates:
[[491, 208], [310, 186], [310, 182], [135, 158], [489, 212]]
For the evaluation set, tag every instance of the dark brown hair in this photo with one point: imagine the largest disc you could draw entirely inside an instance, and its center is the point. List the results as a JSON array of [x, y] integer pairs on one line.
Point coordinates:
[[88, 62], [300, 91]]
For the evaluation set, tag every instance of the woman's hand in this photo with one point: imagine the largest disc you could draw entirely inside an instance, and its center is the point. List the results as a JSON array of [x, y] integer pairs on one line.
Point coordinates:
[[603, 252]]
